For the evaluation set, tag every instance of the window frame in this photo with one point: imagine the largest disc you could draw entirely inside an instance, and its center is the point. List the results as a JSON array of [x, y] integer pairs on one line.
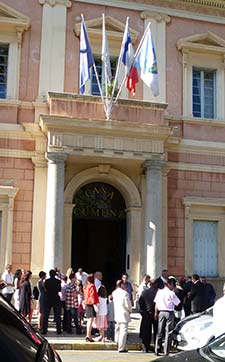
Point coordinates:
[[204, 209], [202, 91], [5, 72], [205, 51], [195, 269], [7, 196], [12, 25]]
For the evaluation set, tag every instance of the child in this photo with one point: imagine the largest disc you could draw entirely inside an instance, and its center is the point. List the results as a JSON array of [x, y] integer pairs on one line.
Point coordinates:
[[110, 315], [80, 302], [101, 314]]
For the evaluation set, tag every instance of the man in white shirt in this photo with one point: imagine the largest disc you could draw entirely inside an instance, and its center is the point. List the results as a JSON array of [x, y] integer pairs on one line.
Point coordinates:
[[145, 284], [165, 302], [7, 276], [122, 310], [81, 275], [219, 315]]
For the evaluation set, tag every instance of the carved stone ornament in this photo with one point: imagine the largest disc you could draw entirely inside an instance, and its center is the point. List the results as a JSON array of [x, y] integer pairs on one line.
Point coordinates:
[[67, 3], [154, 15]]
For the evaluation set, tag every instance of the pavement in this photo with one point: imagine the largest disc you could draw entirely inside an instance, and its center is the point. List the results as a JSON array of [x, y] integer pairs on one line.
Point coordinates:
[[67, 341], [108, 356]]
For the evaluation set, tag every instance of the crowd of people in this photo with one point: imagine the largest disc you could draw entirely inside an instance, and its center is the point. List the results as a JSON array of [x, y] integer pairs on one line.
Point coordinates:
[[164, 301], [78, 297]]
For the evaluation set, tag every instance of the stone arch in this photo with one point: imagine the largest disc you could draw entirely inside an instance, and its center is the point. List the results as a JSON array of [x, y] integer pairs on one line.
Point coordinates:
[[109, 175], [130, 193]]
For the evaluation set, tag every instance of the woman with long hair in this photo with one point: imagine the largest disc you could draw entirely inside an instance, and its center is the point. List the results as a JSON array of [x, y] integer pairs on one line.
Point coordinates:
[[41, 298], [91, 300], [17, 285], [25, 295]]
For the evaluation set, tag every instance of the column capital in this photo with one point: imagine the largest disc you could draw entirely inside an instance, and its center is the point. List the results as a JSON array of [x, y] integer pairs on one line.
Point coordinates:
[[56, 157], [40, 162], [67, 3], [159, 17], [156, 164]]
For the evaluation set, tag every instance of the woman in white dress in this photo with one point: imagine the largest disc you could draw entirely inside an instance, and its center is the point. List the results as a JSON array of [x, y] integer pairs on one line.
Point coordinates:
[[16, 296]]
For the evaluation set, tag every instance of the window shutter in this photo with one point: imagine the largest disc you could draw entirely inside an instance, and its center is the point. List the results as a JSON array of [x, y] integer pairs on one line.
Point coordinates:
[[205, 251]]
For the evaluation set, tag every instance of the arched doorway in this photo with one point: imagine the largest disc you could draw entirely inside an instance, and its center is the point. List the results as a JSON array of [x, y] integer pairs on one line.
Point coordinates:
[[99, 231]]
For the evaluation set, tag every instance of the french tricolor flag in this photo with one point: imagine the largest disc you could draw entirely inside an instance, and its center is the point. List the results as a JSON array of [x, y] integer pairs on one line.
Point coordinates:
[[128, 59], [145, 66]]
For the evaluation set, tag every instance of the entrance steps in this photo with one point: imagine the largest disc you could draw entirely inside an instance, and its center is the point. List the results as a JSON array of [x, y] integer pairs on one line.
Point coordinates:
[[67, 341]]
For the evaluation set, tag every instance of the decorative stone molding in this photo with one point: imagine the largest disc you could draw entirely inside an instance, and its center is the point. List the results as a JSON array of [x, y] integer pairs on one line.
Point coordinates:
[[67, 3], [138, 146], [156, 164], [56, 157], [39, 162], [154, 15], [114, 177], [215, 3]]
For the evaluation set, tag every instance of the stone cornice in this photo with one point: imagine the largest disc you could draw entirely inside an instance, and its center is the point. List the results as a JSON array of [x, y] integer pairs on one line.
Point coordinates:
[[170, 7], [67, 3], [210, 3]]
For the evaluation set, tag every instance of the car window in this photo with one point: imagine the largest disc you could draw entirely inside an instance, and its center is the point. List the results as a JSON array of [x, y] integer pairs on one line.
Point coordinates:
[[218, 347]]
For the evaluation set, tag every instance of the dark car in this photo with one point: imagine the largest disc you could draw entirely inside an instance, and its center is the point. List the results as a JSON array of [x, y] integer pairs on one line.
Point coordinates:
[[214, 351], [18, 339]]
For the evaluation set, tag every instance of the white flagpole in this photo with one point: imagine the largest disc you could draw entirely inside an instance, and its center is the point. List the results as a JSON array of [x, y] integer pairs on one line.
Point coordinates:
[[135, 56], [103, 55], [119, 62]]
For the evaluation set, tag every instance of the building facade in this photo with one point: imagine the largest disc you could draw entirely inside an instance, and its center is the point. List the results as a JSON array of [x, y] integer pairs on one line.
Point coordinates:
[[138, 193]]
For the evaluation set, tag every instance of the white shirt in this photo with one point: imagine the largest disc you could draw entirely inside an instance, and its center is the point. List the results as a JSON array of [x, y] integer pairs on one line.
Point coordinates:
[[8, 278], [141, 288], [219, 316], [166, 299], [98, 283], [82, 277]]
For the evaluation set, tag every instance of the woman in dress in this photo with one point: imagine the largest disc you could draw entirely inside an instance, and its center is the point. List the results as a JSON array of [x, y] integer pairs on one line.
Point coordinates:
[[25, 295], [17, 284], [101, 315], [91, 300], [41, 298]]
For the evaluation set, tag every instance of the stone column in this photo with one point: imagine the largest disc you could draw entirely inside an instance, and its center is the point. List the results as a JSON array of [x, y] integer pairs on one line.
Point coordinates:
[[154, 244], [68, 224], [53, 43], [133, 246], [53, 255], [39, 216]]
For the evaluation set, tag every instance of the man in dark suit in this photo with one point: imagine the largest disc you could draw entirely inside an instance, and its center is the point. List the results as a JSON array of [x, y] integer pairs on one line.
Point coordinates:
[[52, 300], [197, 295], [147, 311], [163, 279]]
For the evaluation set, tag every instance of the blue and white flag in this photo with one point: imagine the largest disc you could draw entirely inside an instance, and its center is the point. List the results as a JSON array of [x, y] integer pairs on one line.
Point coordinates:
[[86, 57], [147, 64], [127, 49]]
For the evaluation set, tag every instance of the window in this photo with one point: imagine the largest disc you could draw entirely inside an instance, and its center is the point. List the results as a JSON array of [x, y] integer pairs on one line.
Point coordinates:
[[203, 76], [94, 85], [204, 236], [205, 241], [12, 25], [4, 51], [7, 195], [203, 93]]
